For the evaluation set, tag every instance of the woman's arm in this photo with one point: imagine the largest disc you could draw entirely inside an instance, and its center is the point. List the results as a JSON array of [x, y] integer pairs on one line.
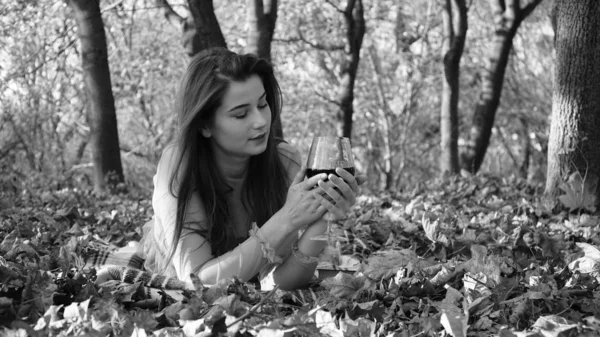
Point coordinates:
[[297, 270], [194, 254]]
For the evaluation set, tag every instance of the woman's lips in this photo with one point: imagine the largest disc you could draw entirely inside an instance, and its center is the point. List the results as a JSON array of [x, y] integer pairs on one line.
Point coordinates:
[[261, 136]]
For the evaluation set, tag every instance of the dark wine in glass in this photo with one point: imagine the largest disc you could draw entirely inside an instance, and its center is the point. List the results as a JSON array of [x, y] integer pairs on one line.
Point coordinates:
[[325, 155]]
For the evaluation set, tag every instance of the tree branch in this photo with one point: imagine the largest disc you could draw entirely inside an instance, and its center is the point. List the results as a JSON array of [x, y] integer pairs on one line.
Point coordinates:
[[316, 45], [335, 6], [272, 14], [529, 8], [111, 6], [172, 16], [512, 11], [327, 99], [349, 8]]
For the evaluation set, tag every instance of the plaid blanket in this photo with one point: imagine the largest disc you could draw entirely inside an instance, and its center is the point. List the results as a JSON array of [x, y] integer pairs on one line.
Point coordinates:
[[126, 265]]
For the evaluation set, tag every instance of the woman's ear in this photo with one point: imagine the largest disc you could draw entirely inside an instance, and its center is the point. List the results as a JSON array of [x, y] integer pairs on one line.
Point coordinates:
[[206, 132]]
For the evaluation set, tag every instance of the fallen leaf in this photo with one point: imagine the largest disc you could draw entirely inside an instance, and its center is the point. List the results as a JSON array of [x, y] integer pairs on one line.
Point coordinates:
[[386, 264]]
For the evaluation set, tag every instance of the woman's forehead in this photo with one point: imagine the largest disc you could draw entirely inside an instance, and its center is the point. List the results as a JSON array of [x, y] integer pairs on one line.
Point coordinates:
[[243, 92]]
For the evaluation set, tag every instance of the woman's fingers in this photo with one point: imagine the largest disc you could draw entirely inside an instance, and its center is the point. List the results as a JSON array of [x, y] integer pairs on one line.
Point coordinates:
[[348, 178], [311, 182], [332, 191], [331, 207]]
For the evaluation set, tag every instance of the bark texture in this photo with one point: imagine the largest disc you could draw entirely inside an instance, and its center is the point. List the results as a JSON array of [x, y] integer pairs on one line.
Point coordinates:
[[508, 15], [104, 138], [199, 30], [455, 26], [261, 17], [574, 144], [355, 31]]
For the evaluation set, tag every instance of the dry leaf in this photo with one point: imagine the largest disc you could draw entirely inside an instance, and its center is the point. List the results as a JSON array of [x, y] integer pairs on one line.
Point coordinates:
[[387, 263], [344, 285]]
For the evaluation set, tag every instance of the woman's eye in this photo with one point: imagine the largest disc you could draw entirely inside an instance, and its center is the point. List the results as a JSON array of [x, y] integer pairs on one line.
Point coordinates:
[[241, 116], [262, 106]]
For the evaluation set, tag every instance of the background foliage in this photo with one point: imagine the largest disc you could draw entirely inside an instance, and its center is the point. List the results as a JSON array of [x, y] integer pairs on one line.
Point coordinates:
[[44, 128]]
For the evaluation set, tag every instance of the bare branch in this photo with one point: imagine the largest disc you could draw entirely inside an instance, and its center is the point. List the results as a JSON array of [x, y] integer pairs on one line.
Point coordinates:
[[335, 6], [272, 14], [316, 45], [327, 99], [529, 8], [498, 7], [111, 6], [173, 17], [512, 11]]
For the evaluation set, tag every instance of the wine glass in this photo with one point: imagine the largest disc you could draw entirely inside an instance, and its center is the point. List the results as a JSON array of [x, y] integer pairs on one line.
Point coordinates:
[[325, 155]]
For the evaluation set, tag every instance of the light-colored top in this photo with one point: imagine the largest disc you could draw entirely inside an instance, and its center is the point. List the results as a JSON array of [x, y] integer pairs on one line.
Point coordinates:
[[193, 253]]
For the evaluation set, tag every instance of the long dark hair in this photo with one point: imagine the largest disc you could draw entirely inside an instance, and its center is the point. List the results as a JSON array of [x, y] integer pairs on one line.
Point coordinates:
[[264, 189]]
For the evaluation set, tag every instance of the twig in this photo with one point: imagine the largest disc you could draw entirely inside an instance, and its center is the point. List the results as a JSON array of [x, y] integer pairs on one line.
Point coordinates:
[[255, 307], [111, 6], [335, 6]]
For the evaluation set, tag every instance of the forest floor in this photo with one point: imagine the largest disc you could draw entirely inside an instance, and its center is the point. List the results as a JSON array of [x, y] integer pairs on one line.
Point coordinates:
[[477, 256]]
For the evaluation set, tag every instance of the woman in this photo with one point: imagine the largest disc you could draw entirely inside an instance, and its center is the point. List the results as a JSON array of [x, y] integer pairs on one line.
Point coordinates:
[[229, 199]]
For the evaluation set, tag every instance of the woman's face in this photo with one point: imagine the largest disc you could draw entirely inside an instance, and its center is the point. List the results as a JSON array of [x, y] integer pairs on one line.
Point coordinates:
[[242, 123]]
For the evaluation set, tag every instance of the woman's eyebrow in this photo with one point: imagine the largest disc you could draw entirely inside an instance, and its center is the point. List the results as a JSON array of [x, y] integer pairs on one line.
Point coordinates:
[[246, 104]]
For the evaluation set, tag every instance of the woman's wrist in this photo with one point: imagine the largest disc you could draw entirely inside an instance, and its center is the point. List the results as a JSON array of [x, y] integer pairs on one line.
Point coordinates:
[[285, 221], [310, 247]]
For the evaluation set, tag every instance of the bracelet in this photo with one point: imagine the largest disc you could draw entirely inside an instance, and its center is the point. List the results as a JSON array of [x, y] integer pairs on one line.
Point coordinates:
[[303, 258], [267, 251]]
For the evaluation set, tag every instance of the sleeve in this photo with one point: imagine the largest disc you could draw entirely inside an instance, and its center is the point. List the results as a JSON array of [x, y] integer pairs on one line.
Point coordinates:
[[193, 253]]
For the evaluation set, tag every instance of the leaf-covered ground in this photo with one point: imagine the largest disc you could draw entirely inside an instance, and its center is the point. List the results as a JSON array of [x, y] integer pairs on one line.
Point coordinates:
[[473, 256]]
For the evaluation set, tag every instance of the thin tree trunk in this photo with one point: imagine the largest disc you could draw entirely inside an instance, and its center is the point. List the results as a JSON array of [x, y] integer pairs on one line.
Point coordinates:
[[524, 169], [208, 31], [103, 119], [200, 30], [455, 24], [384, 124], [574, 142], [355, 31], [261, 16], [508, 17]]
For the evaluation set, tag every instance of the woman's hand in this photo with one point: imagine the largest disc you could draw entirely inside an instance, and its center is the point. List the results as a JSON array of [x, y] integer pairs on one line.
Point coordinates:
[[339, 193], [301, 205]]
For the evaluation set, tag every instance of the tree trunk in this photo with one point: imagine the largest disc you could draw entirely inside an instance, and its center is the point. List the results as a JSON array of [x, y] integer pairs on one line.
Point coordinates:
[[208, 32], [508, 17], [200, 30], [455, 24], [103, 119], [574, 142], [355, 31], [261, 17]]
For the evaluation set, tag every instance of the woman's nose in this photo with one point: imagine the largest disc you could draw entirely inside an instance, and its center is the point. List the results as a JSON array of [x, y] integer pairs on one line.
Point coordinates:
[[259, 120]]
